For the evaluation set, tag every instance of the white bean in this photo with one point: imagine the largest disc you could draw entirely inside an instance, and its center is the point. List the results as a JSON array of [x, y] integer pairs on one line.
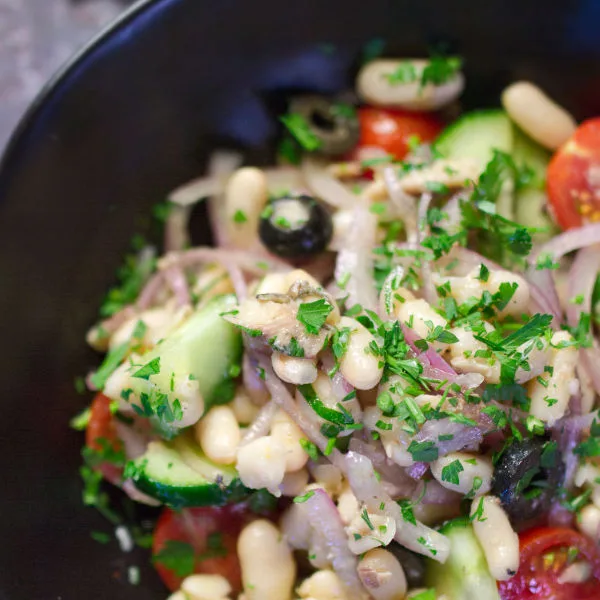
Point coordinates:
[[206, 587], [368, 531], [539, 116], [588, 521], [244, 409], [273, 283], [268, 566], [374, 86], [382, 575], [246, 194], [499, 542], [293, 483], [218, 434], [261, 464], [322, 585], [475, 477], [329, 477], [347, 504], [294, 370], [415, 313], [550, 401], [288, 434], [359, 365]]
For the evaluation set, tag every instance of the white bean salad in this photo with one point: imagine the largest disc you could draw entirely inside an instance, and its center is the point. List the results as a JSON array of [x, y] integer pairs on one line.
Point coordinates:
[[382, 381]]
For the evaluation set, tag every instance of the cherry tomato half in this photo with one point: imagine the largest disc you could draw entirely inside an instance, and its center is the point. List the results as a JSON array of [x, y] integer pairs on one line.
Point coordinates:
[[574, 178], [544, 556], [211, 532], [101, 426], [391, 130]]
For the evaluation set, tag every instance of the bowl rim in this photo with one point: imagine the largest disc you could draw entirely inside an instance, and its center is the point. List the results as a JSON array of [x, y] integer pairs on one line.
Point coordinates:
[[64, 71]]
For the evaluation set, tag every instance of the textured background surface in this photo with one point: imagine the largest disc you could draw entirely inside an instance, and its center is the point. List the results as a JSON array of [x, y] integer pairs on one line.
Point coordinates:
[[36, 37]]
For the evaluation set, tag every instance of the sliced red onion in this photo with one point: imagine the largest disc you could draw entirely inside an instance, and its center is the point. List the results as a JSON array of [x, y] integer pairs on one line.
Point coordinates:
[[401, 485], [436, 366], [177, 281], [432, 492], [568, 432], [129, 488], [261, 424], [176, 229], [367, 489], [418, 470], [463, 436], [196, 190], [543, 293], [582, 278], [108, 326], [283, 399], [559, 516], [325, 520], [404, 203], [354, 263], [253, 264], [422, 208], [324, 185], [237, 280], [566, 242], [252, 380]]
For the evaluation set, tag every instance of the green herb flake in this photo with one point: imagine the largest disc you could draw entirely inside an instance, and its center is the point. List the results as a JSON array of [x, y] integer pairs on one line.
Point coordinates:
[[177, 557], [305, 497], [240, 217], [423, 451], [314, 314], [364, 515], [299, 127], [149, 369], [111, 361], [451, 472], [310, 449], [80, 422], [100, 537]]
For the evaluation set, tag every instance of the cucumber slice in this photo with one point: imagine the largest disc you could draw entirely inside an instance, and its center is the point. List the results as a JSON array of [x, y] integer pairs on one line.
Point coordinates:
[[528, 153], [465, 575], [179, 475], [475, 135]]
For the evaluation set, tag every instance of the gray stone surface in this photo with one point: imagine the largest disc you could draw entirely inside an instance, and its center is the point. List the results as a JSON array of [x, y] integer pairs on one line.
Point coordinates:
[[36, 37]]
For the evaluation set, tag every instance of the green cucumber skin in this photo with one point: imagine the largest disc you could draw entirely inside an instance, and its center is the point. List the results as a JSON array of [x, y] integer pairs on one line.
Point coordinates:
[[163, 474], [177, 497]]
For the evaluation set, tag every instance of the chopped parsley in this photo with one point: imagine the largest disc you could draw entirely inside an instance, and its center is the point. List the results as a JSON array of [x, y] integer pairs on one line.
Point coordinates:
[[179, 557], [149, 369], [310, 449], [364, 515], [341, 418], [423, 451], [111, 361], [406, 508], [240, 217], [314, 314], [440, 69], [80, 422], [305, 497], [451, 472], [301, 130]]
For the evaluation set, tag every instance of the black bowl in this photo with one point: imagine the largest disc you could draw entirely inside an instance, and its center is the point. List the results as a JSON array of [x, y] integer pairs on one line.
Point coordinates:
[[136, 113]]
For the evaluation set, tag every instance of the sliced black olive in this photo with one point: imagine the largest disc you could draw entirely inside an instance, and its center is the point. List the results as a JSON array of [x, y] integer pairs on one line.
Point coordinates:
[[412, 563], [295, 227], [526, 477], [335, 124]]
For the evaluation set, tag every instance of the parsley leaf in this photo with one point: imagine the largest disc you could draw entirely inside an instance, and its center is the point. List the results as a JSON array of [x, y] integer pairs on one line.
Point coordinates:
[[111, 361], [299, 127], [149, 369], [450, 472], [423, 451], [176, 556], [314, 314]]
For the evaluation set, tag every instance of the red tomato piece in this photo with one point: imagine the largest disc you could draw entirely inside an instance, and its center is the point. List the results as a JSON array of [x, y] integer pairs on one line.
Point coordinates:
[[391, 130], [212, 532], [101, 426], [574, 178], [544, 557]]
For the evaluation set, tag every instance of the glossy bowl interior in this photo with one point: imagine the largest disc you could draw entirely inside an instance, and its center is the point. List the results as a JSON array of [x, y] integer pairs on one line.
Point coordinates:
[[137, 113]]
